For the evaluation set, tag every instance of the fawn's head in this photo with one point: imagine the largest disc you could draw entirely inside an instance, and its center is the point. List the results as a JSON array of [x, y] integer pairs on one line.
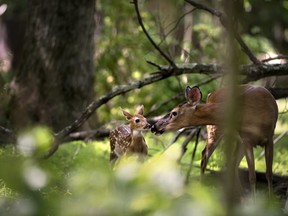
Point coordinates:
[[137, 121]]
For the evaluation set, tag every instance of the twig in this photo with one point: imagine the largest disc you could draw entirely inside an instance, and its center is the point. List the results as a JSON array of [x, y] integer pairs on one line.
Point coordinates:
[[166, 57], [274, 58], [223, 21], [154, 64], [206, 8], [193, 156], [186, 142], [176, 137], [6, 130], [175, 26]]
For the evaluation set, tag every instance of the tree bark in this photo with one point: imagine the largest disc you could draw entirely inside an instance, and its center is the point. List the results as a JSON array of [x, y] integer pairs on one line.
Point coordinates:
[[55, 78]]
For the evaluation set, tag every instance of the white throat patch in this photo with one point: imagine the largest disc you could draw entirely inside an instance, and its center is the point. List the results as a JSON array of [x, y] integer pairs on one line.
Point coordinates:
[[137, 133]]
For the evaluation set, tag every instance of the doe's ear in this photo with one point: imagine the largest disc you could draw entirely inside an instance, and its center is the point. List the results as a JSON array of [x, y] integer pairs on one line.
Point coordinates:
[[140, 110], [127, 114], [193, 95]]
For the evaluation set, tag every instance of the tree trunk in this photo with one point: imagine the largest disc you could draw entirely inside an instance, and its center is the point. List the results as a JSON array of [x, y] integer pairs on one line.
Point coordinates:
[[55, 78]]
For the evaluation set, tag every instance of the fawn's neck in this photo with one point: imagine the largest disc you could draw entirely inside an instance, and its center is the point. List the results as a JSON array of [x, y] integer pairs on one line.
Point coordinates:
[[137, 137]]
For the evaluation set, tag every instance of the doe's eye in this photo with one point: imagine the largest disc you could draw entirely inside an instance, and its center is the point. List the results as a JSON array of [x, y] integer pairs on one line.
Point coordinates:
[[137, 120], [174, 113]]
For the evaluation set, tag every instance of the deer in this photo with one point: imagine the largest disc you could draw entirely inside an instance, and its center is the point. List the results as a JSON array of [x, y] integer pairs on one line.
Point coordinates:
[[128, 139], [256, 127]]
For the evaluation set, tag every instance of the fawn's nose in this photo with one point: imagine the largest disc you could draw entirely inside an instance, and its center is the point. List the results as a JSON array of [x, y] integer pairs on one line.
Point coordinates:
[[148, 126]]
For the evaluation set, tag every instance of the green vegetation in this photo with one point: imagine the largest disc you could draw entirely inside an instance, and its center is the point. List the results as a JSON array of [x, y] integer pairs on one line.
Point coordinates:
[[78, 179]]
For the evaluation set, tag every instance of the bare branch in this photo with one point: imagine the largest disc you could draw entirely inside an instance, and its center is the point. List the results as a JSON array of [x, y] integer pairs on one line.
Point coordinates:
[[193, 155], [253, 72], [118, 90], [176, 25], [6, 130], [276, 57], [223, 21], [7, 136], [256, 72], [184, 145], [279, 92], [206, 8], [135, 2]]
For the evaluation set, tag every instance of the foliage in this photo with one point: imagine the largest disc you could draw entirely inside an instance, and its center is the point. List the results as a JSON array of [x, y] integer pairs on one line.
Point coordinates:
[[79, 180]]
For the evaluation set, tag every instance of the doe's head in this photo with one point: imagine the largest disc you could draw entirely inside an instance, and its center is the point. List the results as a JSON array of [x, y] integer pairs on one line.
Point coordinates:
[[182, 115]]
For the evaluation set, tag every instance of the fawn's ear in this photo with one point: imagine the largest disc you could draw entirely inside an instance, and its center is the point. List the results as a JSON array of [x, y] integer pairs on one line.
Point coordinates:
[[140, 110], [193, 95], [127, 114]]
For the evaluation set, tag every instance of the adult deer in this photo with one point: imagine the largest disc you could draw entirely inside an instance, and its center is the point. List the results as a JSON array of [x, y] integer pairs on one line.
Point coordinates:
[[129, 139], [256, 126]]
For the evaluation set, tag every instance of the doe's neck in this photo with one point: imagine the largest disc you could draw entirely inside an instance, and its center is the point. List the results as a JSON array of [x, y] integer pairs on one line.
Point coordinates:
[[208, 114]]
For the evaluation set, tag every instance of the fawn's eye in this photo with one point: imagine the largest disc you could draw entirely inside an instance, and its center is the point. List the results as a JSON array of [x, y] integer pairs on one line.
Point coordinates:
[[174, 113], [137, 120]]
